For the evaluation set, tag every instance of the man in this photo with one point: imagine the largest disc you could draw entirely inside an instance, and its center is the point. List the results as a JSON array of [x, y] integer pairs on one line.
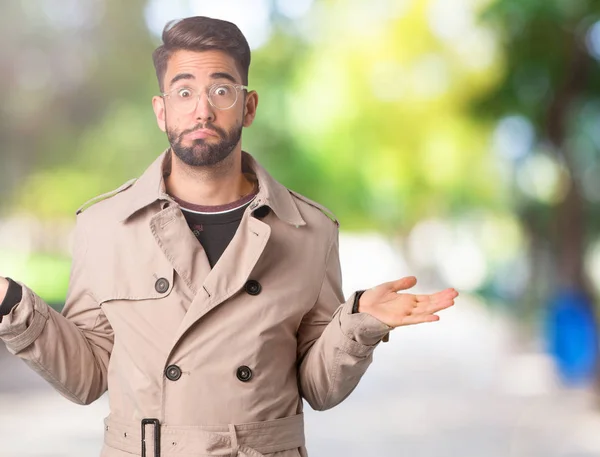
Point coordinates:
[[205, 296]]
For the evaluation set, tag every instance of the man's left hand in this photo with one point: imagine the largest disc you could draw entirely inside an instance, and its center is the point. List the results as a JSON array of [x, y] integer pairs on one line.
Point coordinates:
[[398, 309]]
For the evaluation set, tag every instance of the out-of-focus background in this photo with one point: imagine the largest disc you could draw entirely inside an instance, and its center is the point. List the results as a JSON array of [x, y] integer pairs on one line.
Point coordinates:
[[455, 140]]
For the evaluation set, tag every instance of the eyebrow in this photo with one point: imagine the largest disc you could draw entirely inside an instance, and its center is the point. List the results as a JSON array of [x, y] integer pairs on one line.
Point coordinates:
[[181, 76], [223, 75], [216, 75]]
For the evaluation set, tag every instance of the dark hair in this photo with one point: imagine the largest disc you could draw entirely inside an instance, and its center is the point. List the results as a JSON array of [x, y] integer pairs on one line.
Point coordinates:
[[201, 33]]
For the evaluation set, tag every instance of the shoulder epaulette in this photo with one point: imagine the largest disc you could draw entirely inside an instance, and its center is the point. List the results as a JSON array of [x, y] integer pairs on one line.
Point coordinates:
[[320, 207], [105, 196]]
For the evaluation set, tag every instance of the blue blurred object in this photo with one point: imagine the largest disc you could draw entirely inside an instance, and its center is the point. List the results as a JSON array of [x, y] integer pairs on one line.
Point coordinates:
[[572, 336]]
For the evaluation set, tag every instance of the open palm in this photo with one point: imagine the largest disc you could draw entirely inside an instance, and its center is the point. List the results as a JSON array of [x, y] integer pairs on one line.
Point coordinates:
[[398, 309]]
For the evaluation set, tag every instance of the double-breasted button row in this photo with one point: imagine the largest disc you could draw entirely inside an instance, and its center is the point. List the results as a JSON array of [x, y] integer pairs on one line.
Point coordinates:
[[243, 373], [161, 285], [253, 287]]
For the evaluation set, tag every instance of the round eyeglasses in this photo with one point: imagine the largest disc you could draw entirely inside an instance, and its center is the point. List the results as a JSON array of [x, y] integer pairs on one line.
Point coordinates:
[[221, 96]]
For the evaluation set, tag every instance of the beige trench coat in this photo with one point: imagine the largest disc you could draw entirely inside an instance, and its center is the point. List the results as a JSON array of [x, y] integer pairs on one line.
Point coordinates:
[[220, 358]]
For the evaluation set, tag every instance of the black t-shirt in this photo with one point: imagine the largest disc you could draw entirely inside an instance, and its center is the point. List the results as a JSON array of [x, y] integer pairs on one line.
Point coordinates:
[[214, 227]]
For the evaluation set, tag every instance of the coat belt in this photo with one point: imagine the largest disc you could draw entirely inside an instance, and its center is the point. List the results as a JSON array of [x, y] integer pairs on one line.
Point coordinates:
[[244, 440]]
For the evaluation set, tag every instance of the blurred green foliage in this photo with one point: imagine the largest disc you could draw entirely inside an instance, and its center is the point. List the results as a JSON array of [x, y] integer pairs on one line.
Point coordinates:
[[323, 128]]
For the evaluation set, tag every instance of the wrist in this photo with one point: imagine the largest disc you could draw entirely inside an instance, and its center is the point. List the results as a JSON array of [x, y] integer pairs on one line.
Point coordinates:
[[11, 298], [356, 308], [4, 283]]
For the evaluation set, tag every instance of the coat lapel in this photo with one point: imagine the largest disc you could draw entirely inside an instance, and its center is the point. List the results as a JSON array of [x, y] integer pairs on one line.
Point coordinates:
[[231, 272], [181, 247]]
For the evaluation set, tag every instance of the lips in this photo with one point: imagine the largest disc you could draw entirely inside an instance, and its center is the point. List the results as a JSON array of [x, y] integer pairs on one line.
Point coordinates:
[[201, 133]]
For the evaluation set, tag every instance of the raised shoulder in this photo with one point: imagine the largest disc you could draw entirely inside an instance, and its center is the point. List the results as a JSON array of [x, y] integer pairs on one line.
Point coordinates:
[[105, 196], [314, 204]]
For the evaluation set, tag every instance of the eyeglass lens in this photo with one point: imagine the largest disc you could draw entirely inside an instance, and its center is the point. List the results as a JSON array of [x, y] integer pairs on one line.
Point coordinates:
[[222, 96]]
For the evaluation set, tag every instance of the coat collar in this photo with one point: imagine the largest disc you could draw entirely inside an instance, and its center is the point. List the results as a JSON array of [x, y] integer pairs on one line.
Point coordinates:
[[150, 187]]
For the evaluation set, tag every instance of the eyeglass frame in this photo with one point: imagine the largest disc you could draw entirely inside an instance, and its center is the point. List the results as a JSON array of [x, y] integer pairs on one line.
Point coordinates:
[[237, 87]]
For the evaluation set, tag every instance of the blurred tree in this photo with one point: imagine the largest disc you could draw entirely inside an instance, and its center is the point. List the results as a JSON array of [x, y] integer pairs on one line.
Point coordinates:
[[552, 81], [70, 67], [382, 105]]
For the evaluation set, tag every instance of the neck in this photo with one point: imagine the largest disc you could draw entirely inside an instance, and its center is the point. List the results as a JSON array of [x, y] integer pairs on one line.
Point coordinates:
[[208, 186]]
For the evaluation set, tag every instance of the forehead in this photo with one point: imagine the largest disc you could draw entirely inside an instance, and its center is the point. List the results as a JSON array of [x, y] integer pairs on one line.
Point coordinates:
[[200, 64]]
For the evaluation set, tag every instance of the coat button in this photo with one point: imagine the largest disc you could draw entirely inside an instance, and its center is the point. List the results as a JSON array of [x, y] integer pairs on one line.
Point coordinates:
[[244, 373], [253, 287], [161, 286], [173, 372], [262, 212]]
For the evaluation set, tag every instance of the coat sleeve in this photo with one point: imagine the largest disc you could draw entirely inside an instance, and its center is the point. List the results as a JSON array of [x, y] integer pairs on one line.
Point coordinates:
[[70, 350], [335, 347]]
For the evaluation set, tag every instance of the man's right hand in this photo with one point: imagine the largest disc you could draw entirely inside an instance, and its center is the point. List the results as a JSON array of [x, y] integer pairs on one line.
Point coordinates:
[[3, 288]]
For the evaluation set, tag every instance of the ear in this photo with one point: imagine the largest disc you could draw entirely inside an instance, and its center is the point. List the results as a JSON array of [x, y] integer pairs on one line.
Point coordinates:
[[250, 108], [158, 104]]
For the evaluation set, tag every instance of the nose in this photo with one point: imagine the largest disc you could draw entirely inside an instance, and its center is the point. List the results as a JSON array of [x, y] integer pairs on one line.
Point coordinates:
[[204, 110]]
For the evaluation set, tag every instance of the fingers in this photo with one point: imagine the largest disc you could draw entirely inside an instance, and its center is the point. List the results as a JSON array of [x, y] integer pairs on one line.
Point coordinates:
[[438, 302], [417, 309], [413, 320], [400, 309], [419, 319], [402, 284], [446, 293]]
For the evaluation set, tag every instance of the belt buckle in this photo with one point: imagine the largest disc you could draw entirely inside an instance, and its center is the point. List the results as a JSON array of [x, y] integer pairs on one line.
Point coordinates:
[[156, 424]]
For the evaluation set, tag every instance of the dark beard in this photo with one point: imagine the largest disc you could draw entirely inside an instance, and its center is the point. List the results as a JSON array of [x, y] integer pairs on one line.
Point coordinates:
[[202, 153]]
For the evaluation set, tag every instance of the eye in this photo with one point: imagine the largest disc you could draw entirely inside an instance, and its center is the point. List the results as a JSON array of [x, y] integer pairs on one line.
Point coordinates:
[[185, 93], [222, 91]]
